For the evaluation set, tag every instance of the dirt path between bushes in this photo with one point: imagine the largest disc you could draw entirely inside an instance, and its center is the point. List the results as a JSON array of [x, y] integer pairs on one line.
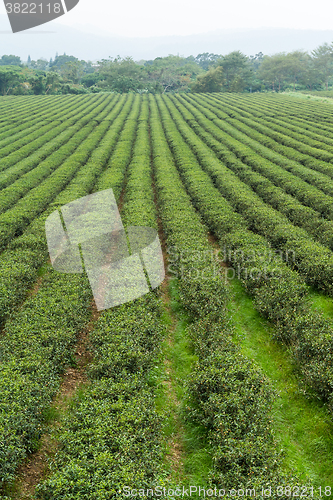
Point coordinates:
[[175, 446], [35, 467]]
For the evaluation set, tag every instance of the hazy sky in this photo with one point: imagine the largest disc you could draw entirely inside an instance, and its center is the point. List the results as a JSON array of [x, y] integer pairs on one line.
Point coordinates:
[[184, 17]]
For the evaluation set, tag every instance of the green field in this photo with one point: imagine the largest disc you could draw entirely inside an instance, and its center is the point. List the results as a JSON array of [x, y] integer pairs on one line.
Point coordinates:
[[222, 378]]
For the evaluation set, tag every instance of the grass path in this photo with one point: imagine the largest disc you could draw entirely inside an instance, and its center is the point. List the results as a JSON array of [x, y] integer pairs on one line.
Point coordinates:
[[325, 100], [169, 398], [302, 425], [187, 453]]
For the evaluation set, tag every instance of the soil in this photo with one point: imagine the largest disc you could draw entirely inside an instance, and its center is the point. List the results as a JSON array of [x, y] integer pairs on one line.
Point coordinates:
[[35, 468]]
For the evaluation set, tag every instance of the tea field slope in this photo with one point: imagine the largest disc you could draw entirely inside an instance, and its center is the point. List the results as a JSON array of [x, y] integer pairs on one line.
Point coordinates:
[[239, 188]]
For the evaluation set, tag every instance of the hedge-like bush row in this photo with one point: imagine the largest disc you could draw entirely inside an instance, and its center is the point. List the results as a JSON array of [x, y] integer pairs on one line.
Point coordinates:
[[305, 125], [44, 127], [50, 321], [43, 334], [307, 218], [291, 149], [324, 166], [28, 126], [29, 163], [111, 438], [13, 107], [283, 105], [88, 427], [6, 104], [288, 124], [299, 127], [59, 148], [284, 236], [302, 127], [254, 139], [26, 253], [40, 143], [56, 139], [118, 163], [16, 112], [224, 131], [279, 106], [306, 192], [32, 141], [101, 157], [13, 222], [112, 435], [247, 135], [139, 204], [229, 396], [35, 347], [279, 293]]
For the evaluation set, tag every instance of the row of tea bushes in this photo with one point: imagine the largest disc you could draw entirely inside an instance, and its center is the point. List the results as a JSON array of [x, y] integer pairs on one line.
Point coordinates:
[[302, 182], [39, 141], [25, 129], [44, 331], [228, 395], [35, 347], [277, 112], [15, 123], [285, 106], [312, 158], [25, 254], [261, 218], [41, 127], [118, 163], [112, 436], [15, 109], [298, 214], [16, 219], [279, 293], [56, 139]]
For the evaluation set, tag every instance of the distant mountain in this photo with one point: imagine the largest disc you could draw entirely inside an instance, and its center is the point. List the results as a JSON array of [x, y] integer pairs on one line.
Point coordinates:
[[55, 37]]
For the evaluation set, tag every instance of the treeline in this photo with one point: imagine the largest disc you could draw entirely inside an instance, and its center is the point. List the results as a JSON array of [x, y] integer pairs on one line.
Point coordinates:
[[234, 72]]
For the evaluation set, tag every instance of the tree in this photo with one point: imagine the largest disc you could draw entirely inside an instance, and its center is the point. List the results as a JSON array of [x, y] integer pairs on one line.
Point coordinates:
[[274, 70], [10, 61], [10, 77], [255, 61], [211, 81], [37, 83], [297, 66], [205, 60], [121, 75], [237, 71], [42, 64], [89, 68], [172, 73], [52, 82], [90, 79], [60, 61], [72, 70], [323, 62]]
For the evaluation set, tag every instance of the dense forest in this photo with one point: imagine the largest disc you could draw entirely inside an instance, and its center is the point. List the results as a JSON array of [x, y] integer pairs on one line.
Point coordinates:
[[234, 72]]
